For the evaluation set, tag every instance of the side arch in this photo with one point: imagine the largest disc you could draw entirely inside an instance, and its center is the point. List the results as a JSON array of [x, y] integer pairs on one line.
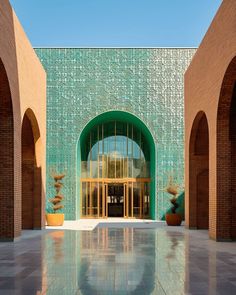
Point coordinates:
[[132, 119], [6, 158], [198, 198], [32, 203], [226, 157]]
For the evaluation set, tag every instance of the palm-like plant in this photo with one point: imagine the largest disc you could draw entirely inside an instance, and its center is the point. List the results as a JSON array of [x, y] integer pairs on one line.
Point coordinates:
[[56, 200]]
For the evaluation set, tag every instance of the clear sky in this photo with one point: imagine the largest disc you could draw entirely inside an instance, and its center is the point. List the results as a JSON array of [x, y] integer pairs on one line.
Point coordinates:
[[118, 23]]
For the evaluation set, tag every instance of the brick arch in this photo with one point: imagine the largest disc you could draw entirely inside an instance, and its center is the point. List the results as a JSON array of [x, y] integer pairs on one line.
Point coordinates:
[[6, 158], [31, 173], [226, 156], [199, 173]]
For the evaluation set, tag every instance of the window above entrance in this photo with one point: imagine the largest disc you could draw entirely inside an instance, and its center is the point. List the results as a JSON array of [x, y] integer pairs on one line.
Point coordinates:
[[115, 149]]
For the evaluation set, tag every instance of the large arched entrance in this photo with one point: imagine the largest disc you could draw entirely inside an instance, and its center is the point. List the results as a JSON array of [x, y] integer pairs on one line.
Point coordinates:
[[226, 156], [31, 174], [6, 158], [116, 164], [199, 173]]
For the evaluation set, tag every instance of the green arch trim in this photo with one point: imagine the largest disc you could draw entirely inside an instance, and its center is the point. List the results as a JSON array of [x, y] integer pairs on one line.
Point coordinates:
[[138, 123]]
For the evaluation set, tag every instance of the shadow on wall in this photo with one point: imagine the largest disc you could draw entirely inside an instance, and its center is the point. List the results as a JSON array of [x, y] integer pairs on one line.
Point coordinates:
[[180, 210], [10, 164]]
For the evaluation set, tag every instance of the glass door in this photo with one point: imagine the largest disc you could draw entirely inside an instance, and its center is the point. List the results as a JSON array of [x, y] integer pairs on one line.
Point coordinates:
[[115, 199], [128, 198], [93, 199], [105, 203]]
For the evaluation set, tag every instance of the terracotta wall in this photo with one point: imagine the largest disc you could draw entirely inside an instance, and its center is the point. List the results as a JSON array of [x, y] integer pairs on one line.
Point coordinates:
[[203, 85], [27, 83]]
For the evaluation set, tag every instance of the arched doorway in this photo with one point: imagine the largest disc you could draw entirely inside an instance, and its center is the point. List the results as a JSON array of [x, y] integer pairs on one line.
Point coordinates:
[[116, 165], [199, 173], [226, 156], [31, 174], [6, 158]]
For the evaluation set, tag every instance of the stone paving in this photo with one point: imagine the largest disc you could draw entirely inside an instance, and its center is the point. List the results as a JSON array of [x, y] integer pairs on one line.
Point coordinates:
[[117, 258]]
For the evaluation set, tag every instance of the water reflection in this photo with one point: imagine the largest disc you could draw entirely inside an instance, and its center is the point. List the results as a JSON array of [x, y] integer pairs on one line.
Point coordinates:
[[161, 261], [115, 261], [105, 261], [57, 248]]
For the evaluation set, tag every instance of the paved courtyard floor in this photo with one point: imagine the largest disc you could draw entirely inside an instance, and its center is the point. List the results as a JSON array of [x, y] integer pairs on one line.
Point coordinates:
[[138, 257]]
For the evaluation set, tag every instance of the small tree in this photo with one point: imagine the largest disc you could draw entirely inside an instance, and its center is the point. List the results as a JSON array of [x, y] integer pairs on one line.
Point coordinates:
[[56, 201], [173, 189]]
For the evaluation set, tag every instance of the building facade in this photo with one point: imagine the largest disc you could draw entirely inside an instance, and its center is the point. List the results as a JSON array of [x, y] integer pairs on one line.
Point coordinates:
[[22, 130], [210, 128], [115, 128]]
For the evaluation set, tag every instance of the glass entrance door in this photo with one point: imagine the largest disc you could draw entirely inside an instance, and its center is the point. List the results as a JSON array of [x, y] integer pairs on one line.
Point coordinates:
[[115, 172], [137, 198], [113, 198]]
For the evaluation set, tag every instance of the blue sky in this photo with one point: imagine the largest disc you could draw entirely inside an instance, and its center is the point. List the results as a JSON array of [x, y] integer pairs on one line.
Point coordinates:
[[118, 23]]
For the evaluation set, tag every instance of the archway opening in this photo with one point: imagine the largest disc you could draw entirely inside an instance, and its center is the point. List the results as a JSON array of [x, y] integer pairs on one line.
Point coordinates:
[[226, 157], [199, 174], [31, 175], [6, 158], [232, 137], [116, 173]]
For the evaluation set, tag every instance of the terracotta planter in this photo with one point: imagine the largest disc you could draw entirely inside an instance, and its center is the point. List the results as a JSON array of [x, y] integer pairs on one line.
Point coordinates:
[[173, 219], [55, 219]]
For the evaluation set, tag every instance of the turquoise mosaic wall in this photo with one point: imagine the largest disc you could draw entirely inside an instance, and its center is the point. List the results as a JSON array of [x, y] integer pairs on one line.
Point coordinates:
[[83, 83]]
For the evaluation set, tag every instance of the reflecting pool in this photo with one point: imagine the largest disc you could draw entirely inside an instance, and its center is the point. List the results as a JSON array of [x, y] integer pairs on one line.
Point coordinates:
[[117, 261]]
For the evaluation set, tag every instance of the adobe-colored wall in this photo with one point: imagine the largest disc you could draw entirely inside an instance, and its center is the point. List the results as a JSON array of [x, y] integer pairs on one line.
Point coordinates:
[[32, 86], [27, 81], [203, 82]]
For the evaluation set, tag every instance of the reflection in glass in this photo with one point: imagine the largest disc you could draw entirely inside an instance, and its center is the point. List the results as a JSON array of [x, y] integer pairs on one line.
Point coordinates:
[[115, 150]]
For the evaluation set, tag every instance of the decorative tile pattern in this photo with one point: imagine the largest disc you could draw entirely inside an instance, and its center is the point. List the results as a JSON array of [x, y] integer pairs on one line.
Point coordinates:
[[83, 83]]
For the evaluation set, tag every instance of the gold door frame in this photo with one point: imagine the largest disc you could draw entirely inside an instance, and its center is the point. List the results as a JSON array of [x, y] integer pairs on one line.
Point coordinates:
[[102, 186], [116, 180], [111, 153]]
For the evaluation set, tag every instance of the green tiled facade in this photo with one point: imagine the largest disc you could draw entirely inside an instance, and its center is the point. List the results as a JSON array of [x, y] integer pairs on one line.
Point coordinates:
[[84, 83]]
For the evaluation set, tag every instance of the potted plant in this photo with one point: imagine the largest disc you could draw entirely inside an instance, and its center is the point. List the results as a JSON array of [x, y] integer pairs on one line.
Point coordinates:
[[54, 218], [173, 218]]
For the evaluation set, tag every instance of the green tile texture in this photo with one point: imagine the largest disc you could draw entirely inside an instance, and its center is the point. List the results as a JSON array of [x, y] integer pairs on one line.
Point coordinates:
[[83, 83]]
